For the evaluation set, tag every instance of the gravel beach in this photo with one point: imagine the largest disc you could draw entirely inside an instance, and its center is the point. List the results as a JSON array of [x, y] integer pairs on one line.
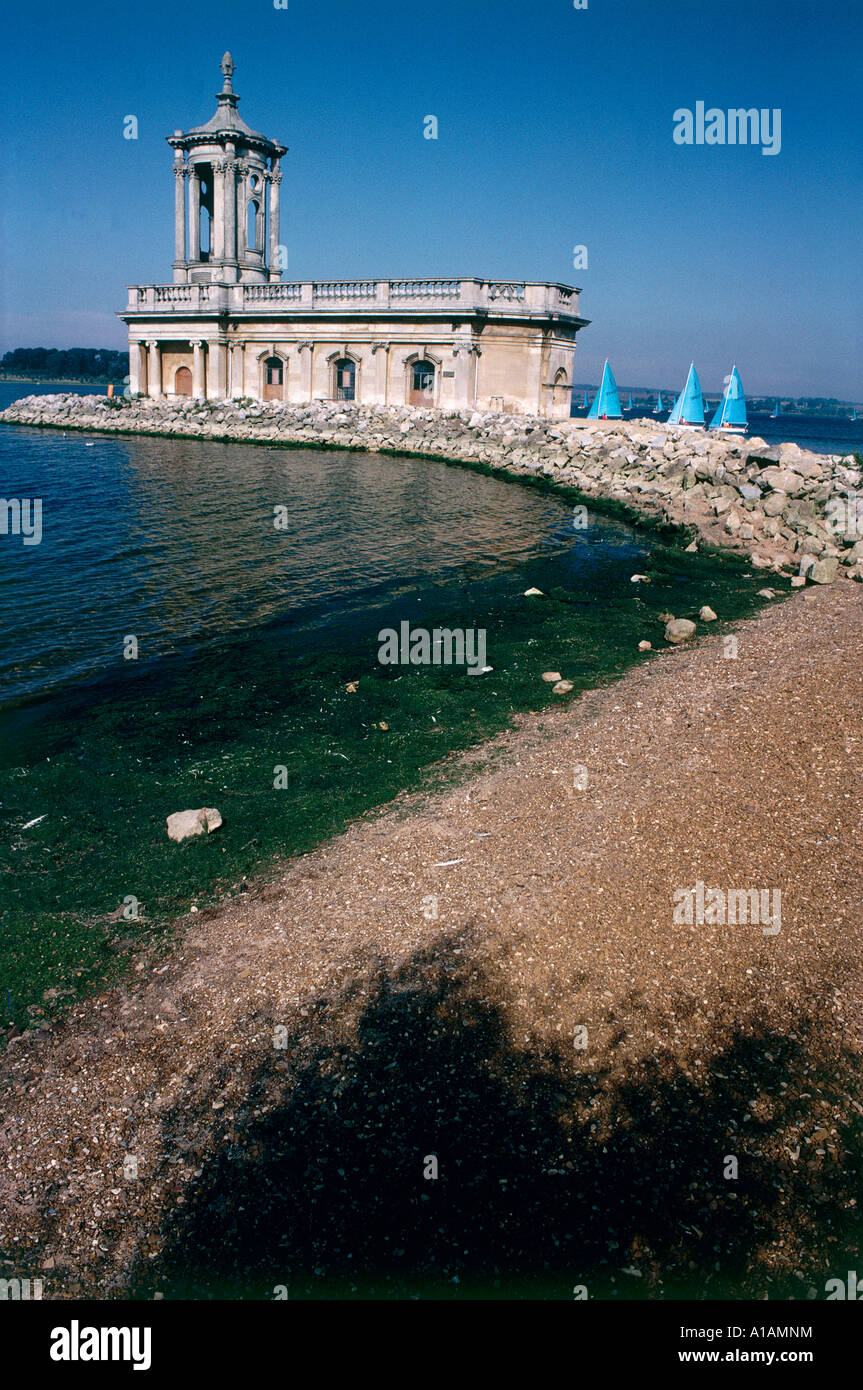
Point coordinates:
[[490, 974]]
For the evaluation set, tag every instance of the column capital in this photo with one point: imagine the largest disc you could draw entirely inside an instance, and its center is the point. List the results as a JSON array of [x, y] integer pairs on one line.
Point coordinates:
[[382, 347], [181, 171], [308, 345]]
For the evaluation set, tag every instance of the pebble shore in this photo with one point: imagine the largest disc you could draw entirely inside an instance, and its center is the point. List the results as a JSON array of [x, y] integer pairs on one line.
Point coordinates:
[[491, 974], [788, 510]]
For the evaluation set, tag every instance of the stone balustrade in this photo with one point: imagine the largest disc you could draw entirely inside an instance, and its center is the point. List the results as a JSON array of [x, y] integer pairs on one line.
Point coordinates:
[[517, 298]]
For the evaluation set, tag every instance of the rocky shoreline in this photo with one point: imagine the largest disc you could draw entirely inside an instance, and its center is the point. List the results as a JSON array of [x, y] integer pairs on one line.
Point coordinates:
[[788, 510]]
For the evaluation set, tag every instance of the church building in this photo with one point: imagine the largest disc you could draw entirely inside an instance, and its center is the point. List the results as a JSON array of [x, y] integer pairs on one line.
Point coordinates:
[[229, 326]]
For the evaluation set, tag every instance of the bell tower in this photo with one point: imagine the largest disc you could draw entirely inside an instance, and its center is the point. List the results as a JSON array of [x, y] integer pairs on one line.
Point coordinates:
[[226, 198]]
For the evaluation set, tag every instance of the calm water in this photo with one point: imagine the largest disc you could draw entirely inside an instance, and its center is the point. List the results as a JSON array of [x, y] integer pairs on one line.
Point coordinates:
[[248, 636]]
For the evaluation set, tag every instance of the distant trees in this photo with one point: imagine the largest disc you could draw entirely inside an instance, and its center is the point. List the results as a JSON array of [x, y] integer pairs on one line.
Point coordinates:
[[57, 364]]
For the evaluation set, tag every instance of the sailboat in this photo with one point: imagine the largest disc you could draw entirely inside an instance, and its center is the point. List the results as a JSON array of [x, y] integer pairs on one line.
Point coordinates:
[[659, 406], [630, 405], [584, 406], [730, 414], [775, 415], [606, 402], [853, 413], [688, 409]]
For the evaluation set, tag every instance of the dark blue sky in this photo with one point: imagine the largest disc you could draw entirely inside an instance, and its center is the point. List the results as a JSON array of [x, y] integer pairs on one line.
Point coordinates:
[[555, 130]]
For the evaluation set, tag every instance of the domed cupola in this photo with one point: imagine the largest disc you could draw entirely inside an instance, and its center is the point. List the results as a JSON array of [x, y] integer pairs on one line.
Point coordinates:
[[226, 227]]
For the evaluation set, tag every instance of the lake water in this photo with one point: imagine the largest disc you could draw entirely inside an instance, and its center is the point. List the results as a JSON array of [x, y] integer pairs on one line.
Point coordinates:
[[247, 638]]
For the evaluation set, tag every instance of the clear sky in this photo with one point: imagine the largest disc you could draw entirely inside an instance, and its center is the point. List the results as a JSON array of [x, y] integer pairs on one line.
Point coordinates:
[[555, 131]]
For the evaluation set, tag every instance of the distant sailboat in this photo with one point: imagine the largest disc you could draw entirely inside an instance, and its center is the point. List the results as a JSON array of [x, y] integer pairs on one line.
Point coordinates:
[[853, 413], [659, 406], [688, 409], [584, 407], [606, 402], [630, 406], [775, 415], [731, 412]]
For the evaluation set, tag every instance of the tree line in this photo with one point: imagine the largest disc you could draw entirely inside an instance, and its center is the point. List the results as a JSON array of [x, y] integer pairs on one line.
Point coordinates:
[[55, 364]]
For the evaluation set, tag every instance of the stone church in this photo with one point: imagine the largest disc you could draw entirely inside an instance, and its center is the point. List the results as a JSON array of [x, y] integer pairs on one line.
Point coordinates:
[[229, 326]]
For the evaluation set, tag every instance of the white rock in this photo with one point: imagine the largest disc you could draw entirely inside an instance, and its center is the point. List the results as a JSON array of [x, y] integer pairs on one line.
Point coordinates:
[[562, 688], [639, 579], [679, 630], [645, 646], [531, 593], [707, 615], [552, 676], [182, 824]]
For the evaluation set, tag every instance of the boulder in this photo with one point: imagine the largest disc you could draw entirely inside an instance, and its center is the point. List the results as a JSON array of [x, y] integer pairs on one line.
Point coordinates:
[[182, 824], [774, 503], [679, 630], [562, 688], [781, 479], [824, 570], [552, 677], [707, 615]]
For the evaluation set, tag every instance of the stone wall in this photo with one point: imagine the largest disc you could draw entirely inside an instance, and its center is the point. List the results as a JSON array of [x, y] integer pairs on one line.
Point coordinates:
[[790, 511]]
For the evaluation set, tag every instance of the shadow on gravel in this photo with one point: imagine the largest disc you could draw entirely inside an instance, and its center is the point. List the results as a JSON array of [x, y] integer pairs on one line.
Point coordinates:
[[549, 1177]]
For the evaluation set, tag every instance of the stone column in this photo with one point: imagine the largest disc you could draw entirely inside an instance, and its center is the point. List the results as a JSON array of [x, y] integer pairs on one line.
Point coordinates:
[[242, 201], [275, 179], [194, 214], [230, 197], [310, 348], [218, 249], [154, 370], [180, 176], [198, 383], [137, 367], [238, 370], [381, 355], [216, 371], [463, 392]]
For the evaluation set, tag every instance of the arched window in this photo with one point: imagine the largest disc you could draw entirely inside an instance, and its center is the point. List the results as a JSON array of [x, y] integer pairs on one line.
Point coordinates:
[[252, 226], [183, 382], [273, 378], [205, 233], [422, 383], [345, 373]]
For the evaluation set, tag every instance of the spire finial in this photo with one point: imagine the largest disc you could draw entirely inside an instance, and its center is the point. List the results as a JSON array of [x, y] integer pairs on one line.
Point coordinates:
[[227, 68]]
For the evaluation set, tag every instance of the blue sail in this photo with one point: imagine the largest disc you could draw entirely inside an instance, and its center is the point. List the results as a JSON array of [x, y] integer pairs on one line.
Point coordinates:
[[659, 405], [606, 402], [630, 406], [731, 411], [775, 415], [689, 407], [584, 407]]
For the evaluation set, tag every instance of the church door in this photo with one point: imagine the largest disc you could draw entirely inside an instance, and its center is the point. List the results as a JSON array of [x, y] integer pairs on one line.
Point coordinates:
[[422, 383], [345, 379], [273, 369], [183, 382]]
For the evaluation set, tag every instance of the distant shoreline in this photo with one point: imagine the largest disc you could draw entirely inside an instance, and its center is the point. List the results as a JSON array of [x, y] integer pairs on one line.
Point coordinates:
[[60, 380]]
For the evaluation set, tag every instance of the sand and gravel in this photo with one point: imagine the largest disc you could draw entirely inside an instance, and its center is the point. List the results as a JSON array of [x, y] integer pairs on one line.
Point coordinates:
[[490, 973]]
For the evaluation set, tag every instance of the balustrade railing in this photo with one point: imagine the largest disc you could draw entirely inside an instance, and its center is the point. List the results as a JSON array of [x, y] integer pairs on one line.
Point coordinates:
[[514, 296]]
